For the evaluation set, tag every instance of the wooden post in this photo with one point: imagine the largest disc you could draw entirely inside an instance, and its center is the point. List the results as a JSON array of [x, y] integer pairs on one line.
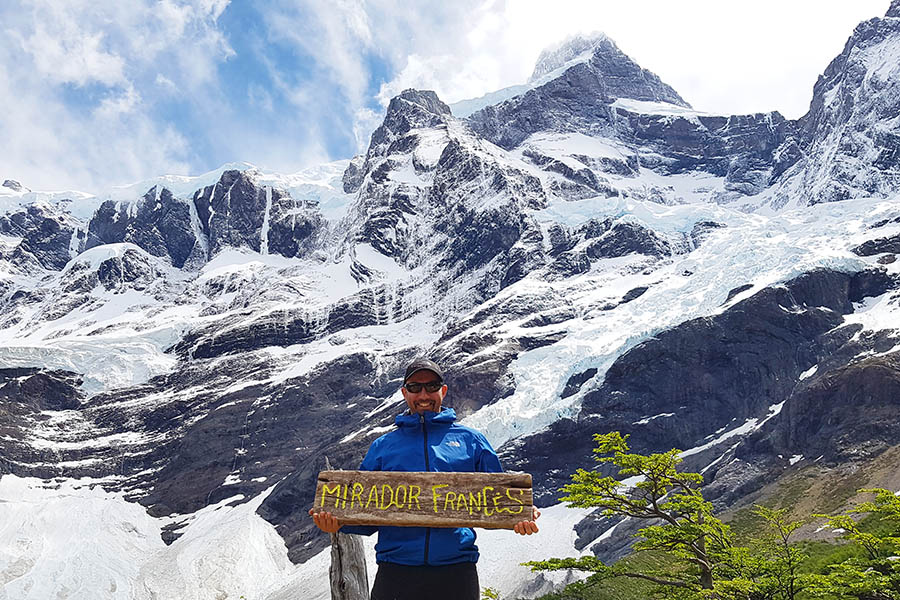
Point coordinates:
[[347, 574]]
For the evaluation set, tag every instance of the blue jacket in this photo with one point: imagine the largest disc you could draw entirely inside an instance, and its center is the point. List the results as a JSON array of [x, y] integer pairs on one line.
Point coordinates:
[[432, 442]]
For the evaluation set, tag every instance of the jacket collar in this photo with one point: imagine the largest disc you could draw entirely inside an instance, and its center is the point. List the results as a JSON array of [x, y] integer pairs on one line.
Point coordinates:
[[445, 417]]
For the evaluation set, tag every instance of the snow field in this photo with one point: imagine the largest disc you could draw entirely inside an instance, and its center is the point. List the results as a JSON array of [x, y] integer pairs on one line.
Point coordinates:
[[105, 548], [752, 249]]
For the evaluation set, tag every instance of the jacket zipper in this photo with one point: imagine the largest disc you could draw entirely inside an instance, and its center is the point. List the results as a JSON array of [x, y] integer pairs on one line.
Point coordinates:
[[427, 468]]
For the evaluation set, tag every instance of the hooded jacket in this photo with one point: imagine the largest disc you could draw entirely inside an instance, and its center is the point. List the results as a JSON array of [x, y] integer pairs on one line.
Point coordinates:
[[429, 442]]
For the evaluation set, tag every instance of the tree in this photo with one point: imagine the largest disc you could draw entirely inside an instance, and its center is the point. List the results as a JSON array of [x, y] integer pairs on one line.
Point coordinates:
[[681, 522], [875, 573], [769, 569]]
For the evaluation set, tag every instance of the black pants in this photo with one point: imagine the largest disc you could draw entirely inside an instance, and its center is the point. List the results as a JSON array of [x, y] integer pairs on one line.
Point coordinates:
[[450, 582]]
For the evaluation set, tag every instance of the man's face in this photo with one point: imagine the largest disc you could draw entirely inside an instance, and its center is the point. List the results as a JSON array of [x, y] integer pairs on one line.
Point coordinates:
[[423, 400]]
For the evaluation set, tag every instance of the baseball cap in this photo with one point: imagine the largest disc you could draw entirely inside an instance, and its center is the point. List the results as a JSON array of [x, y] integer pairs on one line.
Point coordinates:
[[422, 364]]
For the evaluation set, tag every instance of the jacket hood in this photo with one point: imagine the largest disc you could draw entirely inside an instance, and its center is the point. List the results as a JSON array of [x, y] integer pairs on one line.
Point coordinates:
[[445, 417]]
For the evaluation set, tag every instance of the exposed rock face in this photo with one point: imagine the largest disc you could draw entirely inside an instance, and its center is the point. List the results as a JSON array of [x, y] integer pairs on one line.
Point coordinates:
[[131, 268], [417, 201], [850, 137], [231, 212], [35, 390], [894, 9], [353, 175], [848, 413], [750, 151], [481, 235], [24, 394], [574, 102], [289, 327], [552, 59], [412, 109], [390, 210], [294, 226], [158, 223], [14, 185], [710, 374], [879, 246], [574, 251], [44, 237], [578, 100]]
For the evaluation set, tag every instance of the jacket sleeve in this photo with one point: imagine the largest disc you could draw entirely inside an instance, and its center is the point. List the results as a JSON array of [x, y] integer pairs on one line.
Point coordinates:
[[486, 460], [372, 462]]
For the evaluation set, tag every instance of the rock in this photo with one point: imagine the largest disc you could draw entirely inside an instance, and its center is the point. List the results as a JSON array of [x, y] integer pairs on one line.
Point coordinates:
[[353, 175], [577, 100], [574, 383], [816, 421], [709, 375], [412, 109], [158, 223], [37, 389], [879, 246], [45, 236], [14, 185], [130, 269], [849, 139]]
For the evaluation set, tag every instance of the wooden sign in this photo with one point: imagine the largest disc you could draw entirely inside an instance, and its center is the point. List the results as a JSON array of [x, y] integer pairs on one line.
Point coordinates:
[[415, 499]]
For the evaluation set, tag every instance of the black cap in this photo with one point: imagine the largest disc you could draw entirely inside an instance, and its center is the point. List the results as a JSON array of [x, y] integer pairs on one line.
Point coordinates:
[[422, 364]]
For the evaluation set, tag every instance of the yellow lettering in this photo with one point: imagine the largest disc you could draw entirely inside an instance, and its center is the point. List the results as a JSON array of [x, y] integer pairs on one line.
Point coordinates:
[[399, 503], [498, 509], [386, 505], [461, 503], [334, 491], [484, 492], [474, 502], [414, 496], [434, 493], [373, 494], [517, 500], [344, 503], [356, 494], [448, 499]]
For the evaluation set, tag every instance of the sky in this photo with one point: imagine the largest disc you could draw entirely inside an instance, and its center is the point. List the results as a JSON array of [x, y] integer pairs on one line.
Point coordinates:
[[98, 93]]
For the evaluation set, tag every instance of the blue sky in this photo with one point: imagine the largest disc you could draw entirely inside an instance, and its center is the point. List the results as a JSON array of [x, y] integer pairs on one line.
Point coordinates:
[[98, 93]]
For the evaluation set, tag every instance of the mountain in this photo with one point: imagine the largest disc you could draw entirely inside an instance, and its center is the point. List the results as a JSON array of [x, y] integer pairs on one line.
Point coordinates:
[[849, 138], [589, 254]]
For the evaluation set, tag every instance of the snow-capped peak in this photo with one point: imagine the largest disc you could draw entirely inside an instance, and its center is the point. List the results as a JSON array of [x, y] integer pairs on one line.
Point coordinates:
[[894, 9], [568, 50]]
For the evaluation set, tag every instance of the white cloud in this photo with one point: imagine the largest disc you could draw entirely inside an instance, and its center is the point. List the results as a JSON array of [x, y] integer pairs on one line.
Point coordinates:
[[66, 55], [80, 153], [80, 80], [336, 35], [164, 82], [117, 104], [365, 121]]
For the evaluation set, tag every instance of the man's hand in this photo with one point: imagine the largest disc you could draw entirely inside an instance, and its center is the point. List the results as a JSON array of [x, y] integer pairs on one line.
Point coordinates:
[[326, 521], [528, 527]]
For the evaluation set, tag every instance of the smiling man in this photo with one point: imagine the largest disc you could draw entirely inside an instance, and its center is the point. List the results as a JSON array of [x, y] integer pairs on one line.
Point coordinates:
[[415, 563]]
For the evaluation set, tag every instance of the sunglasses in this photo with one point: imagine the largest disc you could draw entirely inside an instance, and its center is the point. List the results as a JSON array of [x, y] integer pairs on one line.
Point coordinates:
[[430, 387]]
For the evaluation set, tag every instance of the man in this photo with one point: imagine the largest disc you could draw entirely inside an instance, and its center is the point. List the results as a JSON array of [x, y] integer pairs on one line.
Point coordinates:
[[415, 563]]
